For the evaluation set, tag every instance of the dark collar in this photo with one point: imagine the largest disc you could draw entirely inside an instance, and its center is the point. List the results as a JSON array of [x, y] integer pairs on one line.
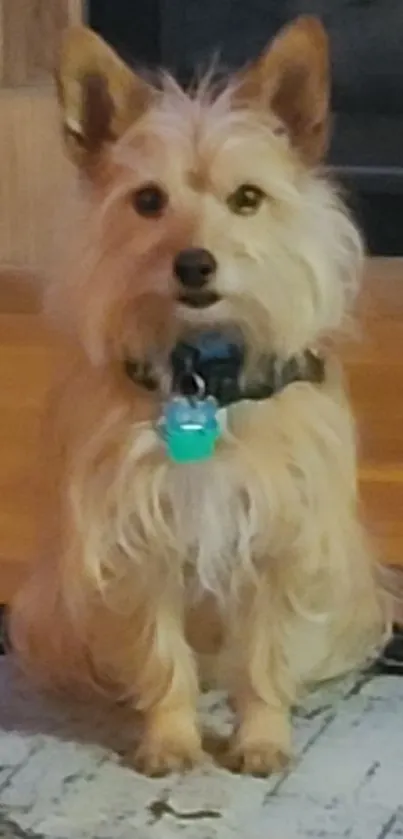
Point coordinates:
[[272, 376]]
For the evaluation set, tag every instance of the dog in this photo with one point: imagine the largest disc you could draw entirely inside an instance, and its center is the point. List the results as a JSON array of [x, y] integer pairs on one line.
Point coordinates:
[[201, 212]]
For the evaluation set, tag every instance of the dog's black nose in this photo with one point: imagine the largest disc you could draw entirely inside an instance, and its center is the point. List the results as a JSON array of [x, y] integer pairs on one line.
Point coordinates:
[[194, 267]]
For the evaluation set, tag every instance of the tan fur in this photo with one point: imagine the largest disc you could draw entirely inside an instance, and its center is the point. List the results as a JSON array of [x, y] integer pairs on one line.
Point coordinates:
[[263, 542]]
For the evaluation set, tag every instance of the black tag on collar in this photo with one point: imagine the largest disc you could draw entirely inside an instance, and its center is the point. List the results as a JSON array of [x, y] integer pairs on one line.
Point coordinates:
[[217, 365], [211, 360]]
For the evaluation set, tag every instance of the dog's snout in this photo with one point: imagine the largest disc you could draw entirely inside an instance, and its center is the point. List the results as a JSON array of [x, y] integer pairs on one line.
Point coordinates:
[[194, 267]]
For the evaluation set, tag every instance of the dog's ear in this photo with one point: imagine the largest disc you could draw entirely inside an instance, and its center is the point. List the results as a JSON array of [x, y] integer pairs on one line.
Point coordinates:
[[292, 78], [99, 94]]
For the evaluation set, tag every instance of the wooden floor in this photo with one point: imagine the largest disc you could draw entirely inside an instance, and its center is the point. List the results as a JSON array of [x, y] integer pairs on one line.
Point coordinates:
[[375, 365], [375, 368]]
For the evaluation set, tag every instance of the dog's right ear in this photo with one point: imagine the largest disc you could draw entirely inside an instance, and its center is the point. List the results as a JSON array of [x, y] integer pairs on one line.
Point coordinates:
[[292, 79], [100, 96]]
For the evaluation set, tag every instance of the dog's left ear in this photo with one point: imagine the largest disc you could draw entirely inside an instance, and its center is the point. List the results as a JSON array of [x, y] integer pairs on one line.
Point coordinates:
[[99, 95], [292, 78]]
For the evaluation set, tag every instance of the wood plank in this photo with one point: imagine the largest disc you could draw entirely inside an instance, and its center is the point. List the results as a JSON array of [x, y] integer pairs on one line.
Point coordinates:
[[77, 10], [26, 361], [31, 31], [1, 40], [19, 292], [33, 174]]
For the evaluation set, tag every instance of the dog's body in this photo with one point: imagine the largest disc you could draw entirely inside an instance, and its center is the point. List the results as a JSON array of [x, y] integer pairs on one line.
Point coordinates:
[[264, 538]]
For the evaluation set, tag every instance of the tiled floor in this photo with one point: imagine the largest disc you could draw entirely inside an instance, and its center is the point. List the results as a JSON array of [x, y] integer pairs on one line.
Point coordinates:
[[61, 779]]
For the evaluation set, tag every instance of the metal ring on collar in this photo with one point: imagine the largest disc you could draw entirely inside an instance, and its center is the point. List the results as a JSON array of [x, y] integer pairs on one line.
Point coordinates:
[[191, 385]]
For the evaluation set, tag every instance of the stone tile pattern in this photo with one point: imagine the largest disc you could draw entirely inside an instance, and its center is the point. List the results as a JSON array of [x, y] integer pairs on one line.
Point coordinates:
[[61, 777]]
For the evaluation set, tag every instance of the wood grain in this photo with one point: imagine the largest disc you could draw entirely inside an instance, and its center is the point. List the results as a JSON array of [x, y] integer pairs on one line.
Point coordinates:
[[28, 352], [33, 173], [26, 357], [32, 166], [31, 31], [2, 40]]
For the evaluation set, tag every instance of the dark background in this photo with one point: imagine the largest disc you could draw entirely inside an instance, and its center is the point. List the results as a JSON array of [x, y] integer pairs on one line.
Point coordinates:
[[367, 56]]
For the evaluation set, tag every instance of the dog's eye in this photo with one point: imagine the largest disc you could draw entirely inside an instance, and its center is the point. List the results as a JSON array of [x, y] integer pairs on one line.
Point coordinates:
[[149, 201], [246, 200]]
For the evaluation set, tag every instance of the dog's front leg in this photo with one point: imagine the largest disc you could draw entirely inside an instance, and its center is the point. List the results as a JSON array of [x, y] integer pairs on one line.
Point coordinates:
[[167, 689], [261, 685]]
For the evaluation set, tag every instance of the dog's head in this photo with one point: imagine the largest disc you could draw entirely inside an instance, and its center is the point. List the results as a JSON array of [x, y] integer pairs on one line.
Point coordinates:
[[204, 207]]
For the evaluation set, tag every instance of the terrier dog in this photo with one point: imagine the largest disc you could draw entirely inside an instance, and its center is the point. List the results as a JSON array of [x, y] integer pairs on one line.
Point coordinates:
[[205, 449]]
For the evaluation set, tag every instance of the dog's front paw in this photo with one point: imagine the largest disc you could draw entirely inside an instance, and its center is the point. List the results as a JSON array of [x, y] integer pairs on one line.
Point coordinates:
[[262, 742], [160, 757], [257, 758]]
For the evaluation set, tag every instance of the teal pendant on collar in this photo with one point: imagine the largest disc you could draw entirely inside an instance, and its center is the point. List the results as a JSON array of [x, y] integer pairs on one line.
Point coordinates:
[[189, 428]]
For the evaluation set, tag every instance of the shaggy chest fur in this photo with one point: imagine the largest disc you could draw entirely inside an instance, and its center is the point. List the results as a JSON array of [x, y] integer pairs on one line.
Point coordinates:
[[213, 519], [205, 515]]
